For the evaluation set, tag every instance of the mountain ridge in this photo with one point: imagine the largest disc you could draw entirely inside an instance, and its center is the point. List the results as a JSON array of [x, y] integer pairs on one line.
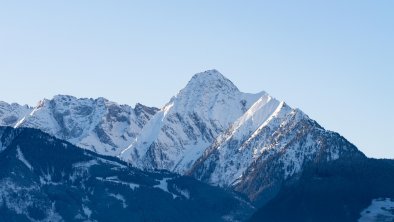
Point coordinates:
[[96, 124], [210, 130], [189, 122], [47, 179]]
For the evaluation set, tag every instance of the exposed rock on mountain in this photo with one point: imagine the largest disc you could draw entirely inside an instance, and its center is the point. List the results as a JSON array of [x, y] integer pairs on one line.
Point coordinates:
[[46, 179], [181, 131], [95, 124]]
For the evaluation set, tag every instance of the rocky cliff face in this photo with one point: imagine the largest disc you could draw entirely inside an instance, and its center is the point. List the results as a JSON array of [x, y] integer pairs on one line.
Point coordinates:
[[95, 124], [10, 114], [269, 144]]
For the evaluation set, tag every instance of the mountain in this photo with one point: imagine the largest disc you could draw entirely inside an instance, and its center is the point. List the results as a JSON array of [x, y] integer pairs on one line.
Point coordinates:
[[251, 144], [10, 114], [46, 179], [181, 131], [352, 189], [95, 124], [257, 159]]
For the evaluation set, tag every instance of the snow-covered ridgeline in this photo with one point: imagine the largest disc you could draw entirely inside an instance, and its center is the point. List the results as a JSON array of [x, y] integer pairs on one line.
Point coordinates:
[[209, 129], [96, 124], [180, 132]]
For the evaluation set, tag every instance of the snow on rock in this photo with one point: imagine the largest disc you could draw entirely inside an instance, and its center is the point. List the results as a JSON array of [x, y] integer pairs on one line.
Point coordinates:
[[95, 124], [254, 117], [183, 192], [220, 135], [209, 130], [234, 151], [114, 163], [163, 185], [86, 164], [115, 179], [381, 209], [274, 141], [20, 156], [120, 198], [181, 131], [87, 211], [10, 114]]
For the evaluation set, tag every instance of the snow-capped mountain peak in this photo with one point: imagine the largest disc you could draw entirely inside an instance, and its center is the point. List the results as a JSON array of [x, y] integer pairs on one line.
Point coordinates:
[[211, 130], [210, 80], [180, 132]]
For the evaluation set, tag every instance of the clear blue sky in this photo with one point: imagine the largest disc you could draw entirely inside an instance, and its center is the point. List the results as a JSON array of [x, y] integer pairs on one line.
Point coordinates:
[[332, 59]]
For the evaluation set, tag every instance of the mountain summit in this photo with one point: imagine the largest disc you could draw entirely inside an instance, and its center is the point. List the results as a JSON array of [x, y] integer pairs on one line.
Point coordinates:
[[251, 143], [181, 131], [254, 144], [210, 80]]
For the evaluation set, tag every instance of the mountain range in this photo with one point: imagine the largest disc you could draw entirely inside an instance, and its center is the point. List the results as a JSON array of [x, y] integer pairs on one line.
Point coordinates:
[[244, 144], [46, 179]]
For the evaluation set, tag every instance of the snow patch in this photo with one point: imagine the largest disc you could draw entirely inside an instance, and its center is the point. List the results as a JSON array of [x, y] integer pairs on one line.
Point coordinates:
[[87, 211], [19, 122], [86, 164], [99, 125], [381, 209], [115, 179], [163, 185], [180, 132], [20, 156], [110, 162], [185, 193], [120, 198]]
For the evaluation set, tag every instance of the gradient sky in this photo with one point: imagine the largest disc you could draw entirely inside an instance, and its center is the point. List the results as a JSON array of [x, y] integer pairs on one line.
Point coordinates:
[[332, 59]]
